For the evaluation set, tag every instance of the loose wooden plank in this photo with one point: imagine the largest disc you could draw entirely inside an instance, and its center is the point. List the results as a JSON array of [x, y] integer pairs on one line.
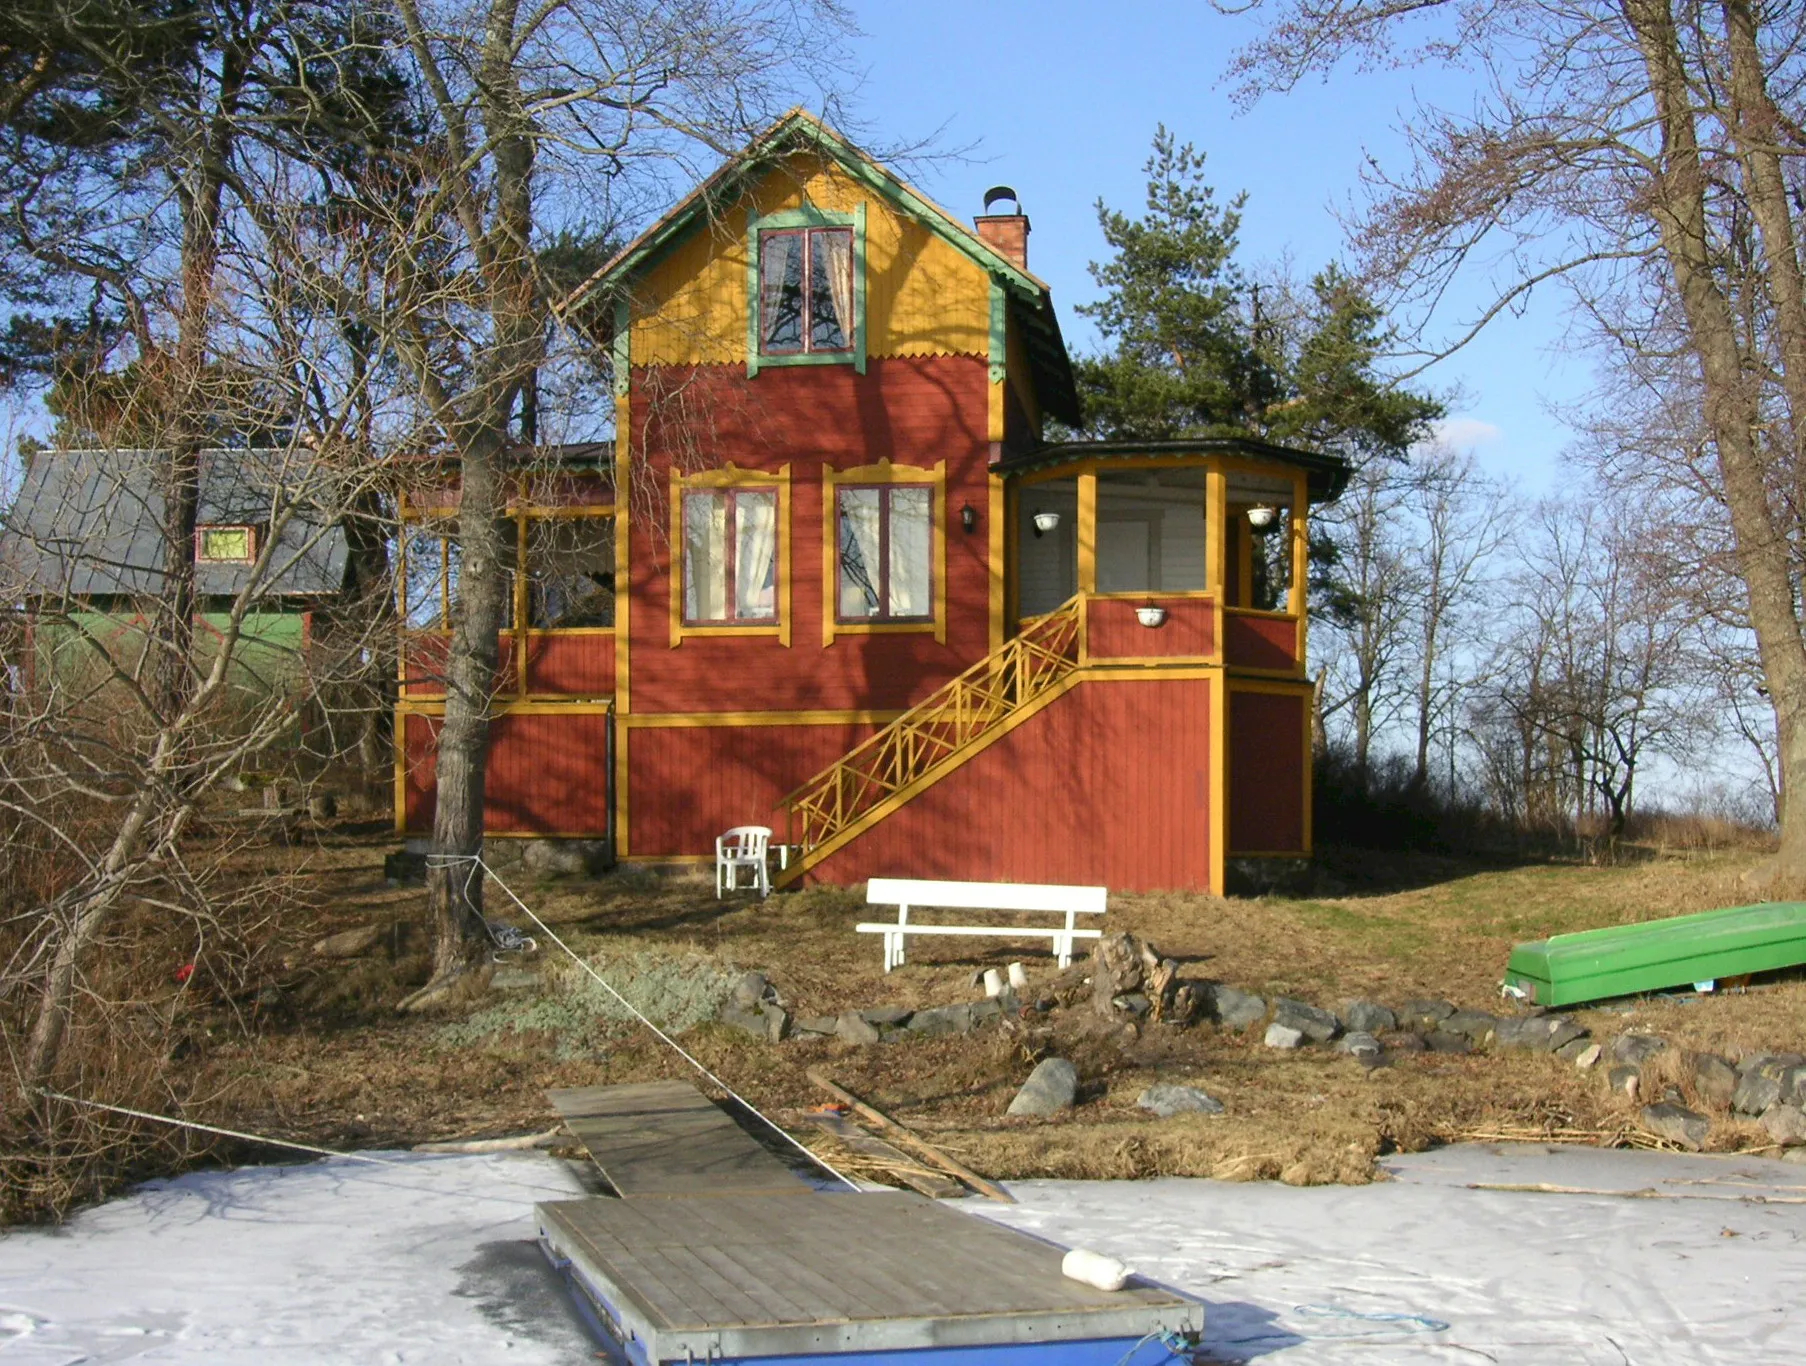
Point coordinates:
[[890, 1160], [989, 1189], [667, 1138]]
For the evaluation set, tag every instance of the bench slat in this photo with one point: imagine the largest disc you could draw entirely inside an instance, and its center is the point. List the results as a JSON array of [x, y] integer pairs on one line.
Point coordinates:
[[1001, 931], [994, 896]]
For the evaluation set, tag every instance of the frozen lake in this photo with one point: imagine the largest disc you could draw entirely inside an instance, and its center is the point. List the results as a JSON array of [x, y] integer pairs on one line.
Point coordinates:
[[1637, 1258]]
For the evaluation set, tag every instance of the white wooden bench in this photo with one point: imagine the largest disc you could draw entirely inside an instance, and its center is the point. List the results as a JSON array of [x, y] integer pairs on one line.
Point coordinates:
[[904, 893]]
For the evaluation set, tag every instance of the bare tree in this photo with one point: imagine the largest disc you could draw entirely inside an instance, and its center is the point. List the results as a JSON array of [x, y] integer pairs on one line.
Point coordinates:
[[1644, 153]]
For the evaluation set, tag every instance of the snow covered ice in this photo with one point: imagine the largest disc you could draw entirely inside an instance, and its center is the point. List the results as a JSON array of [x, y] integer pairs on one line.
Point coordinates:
[[432, 1259]]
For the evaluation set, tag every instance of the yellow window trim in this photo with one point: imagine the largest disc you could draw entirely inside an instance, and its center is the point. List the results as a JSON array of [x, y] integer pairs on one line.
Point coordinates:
[[730, 476], [884, 472]]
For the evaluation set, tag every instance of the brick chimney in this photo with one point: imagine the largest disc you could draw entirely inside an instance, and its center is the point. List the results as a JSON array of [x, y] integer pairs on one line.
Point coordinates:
[[1005, 233]]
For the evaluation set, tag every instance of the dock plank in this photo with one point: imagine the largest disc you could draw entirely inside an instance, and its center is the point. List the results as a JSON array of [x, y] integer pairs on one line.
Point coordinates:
[[667, 1138]]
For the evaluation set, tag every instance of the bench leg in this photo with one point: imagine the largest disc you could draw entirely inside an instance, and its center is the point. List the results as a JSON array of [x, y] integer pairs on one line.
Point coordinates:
[[1063, 949]]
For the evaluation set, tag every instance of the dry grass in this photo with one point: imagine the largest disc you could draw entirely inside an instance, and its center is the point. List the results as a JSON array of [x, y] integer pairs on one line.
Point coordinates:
[[333, 1064]]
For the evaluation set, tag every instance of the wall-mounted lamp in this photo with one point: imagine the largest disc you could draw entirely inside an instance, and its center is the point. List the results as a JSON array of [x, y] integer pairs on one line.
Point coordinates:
[[968, 518], [1046, 522], [1260, 517]]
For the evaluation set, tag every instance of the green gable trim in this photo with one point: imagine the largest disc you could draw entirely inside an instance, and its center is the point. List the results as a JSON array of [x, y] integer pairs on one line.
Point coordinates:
[[1000, 346], [805, 218]]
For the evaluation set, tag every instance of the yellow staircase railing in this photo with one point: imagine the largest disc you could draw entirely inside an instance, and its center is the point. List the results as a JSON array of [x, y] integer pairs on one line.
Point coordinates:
[[934, 734]]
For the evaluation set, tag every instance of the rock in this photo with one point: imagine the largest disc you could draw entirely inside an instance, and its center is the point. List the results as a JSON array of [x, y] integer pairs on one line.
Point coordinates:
[[1121, 965], [983, 1012], [852, 1027], [1786, 1124], [1542, 1032], [1714, 1080], [1794, 1155], [1403, 1041], [750, 991], [1623, 1081], [1134, 1004], [883, 1016], [556, 858], [1367, 1017], [1234, 1009], [1167, 1100], [1793, 1086], [1476, 1026], [1363, 1047], [348, 943], [322, 806], [746, 1021], [777, 1023], [1774, 1065], [1583, 1053], [1424, 1015], [1677, 1124], [938, 1021], [1442, 1041], [1317, 1025], [816, 1024], [1283, 1036], [1755, 1093], [1636, 1049], [1188, 1004], [1049, 1089]]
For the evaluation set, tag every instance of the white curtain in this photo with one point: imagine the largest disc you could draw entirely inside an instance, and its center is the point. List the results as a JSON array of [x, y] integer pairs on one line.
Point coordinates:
[[911, 539], [705, 557], [756, 556], [860, 557], [781, 291], [834, 257]]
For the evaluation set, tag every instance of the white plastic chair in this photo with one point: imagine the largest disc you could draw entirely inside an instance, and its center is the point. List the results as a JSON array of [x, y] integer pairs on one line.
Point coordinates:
[[744, 846]]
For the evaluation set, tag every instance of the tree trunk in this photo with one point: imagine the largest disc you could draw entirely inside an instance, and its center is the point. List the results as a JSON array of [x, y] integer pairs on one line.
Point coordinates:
[[1731, 410]]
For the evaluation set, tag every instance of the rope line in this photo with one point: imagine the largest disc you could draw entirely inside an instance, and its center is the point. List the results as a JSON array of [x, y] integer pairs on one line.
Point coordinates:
[[451, 860], [215, 1129]]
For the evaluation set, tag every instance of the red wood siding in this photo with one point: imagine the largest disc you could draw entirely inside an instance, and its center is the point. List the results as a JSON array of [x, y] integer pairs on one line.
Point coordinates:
[[425, 657], [1109, 785], [582, 666], [686, 784], [1266, 772], [913, 411], [1114, 632], [547, 774], [1261, 642]]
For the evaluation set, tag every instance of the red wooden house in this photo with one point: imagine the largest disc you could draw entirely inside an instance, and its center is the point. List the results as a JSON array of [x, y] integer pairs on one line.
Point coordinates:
[[848, 591]]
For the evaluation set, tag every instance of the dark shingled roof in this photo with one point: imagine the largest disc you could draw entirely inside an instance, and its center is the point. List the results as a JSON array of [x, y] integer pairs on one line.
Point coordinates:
[[90, 524]]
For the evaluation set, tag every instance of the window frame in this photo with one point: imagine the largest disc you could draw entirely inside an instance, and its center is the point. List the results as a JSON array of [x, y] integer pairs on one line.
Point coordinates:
[[200, 541], [881, 475], [801, 220], [729, 479]]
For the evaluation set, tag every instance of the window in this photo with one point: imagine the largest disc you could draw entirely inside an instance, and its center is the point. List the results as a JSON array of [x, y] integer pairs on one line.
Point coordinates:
[[570, 573], [805, 291], [224, 545], [730, 550], [886, 540]]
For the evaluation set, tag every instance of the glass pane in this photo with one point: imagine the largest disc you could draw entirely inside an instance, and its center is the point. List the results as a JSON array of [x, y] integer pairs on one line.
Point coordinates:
[[756, 556], [1270, 564], [830, 289], [860, 510], [570, 572], [781, 291], [705, 556], [911, 536], [226, 543]]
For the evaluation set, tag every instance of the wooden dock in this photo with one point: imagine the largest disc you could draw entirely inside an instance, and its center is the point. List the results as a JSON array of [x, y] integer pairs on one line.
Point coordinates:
[[709, 1255]]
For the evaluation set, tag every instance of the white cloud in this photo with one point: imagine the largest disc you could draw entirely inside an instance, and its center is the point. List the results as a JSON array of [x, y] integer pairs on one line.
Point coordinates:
[[1464, 433]]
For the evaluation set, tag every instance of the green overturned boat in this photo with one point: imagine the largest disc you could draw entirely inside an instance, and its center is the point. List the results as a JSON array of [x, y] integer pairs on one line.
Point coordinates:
[[1683, 951]]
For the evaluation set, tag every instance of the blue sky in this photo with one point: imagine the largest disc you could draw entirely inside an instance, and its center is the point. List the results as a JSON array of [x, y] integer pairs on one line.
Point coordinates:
[[1062, 99]]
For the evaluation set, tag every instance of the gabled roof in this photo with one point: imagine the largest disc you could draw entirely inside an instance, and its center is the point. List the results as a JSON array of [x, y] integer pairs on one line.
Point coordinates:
[[90, 524], [799, 130]]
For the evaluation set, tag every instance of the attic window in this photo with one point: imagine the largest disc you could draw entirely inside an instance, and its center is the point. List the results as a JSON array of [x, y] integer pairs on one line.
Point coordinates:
[[225, 544], [806, 291]]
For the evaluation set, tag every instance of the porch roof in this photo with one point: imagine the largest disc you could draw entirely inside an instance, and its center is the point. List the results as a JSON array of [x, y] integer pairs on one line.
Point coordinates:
[[1326, 475]]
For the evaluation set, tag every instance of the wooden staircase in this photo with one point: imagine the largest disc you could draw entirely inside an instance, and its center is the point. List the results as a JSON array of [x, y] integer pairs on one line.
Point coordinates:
[[932, 739]]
